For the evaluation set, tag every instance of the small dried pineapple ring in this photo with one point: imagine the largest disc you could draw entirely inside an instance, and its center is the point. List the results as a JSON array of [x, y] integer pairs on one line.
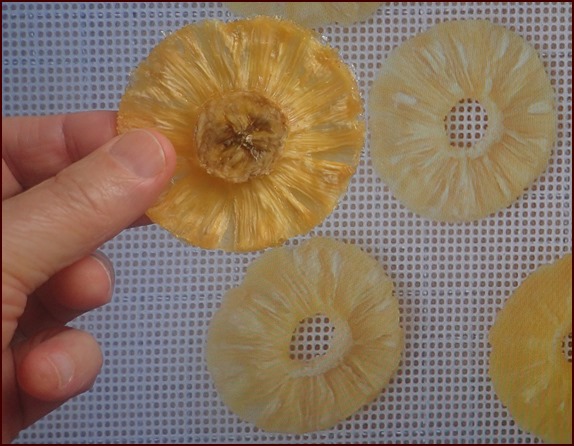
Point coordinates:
[[308, 13], [266, 122], [248, 342], [416, 89], [529, 370]]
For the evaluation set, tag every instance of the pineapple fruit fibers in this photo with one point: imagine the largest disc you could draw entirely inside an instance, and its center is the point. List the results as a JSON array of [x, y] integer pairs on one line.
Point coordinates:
[[529, 369], [266, 122], [419, 84], [248, 342], [310, 14]]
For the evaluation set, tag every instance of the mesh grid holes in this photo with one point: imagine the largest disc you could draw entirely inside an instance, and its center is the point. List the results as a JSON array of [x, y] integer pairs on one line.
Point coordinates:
[[311, 338], [450, 279], [466, 123], [567, 347]]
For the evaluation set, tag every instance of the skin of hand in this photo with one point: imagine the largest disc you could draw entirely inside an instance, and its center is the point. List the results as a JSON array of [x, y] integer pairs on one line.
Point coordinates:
[[69, 184]]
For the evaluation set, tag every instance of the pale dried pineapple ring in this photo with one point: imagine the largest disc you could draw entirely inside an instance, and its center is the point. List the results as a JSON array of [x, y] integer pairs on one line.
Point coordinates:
[[309, 14], [528, 367], [422, 80], [248, 342], [266, 122]]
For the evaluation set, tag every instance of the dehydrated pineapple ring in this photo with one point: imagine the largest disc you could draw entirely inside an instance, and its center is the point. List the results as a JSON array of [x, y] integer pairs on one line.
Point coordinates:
[[248, 345], [308, 13], [419, 84], [266, 122], [529, 369]]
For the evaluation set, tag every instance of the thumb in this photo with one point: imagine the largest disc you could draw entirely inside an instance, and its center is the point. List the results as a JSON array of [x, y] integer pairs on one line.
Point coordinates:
[[68, 216]]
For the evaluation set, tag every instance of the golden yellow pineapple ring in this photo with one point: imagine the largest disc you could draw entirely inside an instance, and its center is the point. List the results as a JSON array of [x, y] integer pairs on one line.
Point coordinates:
[[422, 81], [266, 122], [528, 366], [248, 344]]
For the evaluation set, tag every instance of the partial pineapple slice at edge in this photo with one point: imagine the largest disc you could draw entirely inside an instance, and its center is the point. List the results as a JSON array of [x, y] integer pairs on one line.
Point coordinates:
[[528, 367], [309, 14]]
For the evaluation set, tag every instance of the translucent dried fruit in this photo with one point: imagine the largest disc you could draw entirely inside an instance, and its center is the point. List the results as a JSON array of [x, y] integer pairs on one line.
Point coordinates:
[[309, 14], [419, 84], [248, 345], [529, 370], [267, 126]]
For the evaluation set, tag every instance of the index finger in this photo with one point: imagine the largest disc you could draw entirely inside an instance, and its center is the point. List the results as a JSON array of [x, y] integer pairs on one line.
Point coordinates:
[[36, 148]]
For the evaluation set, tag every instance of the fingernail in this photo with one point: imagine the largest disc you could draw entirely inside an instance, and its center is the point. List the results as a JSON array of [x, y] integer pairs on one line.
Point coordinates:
[[140, 152], [64, 367], [108, 267]]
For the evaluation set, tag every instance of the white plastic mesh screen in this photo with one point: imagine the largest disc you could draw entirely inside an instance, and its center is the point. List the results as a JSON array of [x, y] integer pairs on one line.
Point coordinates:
[[450, 279], [311, 338], [466, 123]]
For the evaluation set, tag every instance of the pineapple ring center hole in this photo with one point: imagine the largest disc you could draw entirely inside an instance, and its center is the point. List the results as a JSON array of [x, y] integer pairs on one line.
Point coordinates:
[[466, 124], [311, 338], [240, 135], [567, 347]]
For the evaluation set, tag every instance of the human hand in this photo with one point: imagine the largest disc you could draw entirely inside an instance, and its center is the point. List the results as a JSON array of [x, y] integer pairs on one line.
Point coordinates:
[[68, 185]]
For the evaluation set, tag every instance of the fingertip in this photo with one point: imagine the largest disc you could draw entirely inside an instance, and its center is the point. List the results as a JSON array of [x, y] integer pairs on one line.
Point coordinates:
[[105, 268], [167, 147], [159, 137], [140, 152], [82, 286], [142, 145], [60, 367]]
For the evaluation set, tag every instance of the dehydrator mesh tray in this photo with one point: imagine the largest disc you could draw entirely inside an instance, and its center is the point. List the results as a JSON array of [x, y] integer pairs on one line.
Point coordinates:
[[450, 279]]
